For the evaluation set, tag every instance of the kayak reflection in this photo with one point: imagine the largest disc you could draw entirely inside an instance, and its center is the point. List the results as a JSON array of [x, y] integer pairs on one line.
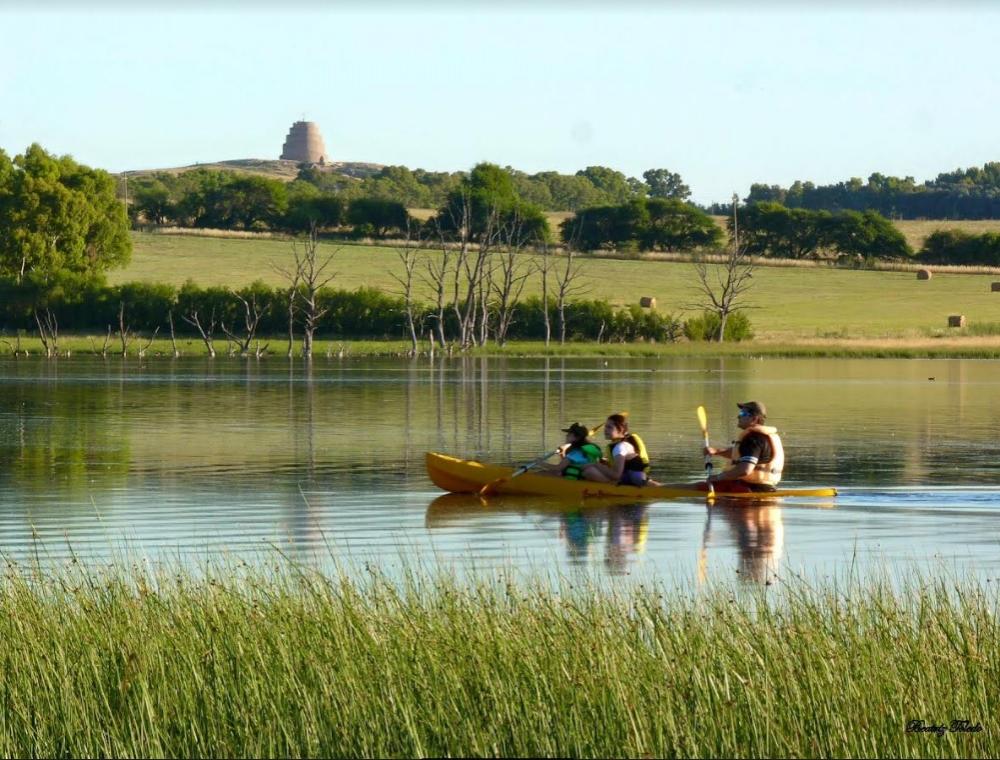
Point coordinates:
[[616, 529]]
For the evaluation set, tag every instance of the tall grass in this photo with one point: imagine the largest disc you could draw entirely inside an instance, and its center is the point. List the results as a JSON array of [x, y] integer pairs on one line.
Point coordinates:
[[298, 664]]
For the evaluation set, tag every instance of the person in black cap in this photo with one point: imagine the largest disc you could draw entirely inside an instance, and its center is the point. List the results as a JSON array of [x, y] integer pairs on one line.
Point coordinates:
[[577, 455], [758, 457]]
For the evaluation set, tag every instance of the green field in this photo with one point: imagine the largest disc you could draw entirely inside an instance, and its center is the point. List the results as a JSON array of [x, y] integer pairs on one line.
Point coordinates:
[[296, 664], [789, 303]]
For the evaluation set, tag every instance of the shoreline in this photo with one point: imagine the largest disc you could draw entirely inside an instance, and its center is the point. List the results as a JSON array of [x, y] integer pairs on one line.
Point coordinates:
[[951, 347]]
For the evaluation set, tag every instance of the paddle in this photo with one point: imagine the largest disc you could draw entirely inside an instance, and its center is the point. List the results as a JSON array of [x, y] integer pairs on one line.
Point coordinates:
[[703, 421], [491, 487]]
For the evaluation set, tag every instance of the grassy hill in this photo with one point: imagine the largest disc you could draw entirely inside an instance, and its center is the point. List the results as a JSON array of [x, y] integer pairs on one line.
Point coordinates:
[[790, 303], [274, 169]]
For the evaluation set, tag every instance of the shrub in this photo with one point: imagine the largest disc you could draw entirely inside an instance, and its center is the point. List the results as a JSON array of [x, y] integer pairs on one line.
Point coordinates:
[[706, 327]]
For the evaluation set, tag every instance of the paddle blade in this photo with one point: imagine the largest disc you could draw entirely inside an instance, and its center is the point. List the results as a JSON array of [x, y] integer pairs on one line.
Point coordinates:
[[702, 419]]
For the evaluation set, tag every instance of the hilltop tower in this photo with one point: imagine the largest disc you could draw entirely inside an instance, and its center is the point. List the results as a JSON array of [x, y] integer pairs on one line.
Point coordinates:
[[304, 144]]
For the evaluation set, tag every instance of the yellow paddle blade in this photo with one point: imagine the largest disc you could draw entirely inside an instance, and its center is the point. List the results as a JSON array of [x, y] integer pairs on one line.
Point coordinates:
[[702, 419]]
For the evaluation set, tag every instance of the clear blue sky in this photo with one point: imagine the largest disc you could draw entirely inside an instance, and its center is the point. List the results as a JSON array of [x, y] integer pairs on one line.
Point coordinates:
[[723, 94]]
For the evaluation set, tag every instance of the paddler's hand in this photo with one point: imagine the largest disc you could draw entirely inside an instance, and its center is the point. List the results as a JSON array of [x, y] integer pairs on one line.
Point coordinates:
[[710, 451]]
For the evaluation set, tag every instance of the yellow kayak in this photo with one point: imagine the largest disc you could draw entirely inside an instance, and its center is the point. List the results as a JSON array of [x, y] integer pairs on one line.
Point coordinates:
[[468, 476]]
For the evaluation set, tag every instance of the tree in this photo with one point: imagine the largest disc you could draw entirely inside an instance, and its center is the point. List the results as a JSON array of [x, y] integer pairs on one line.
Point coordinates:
[[58, 216], [664, 183], [377, 217], [673, 225], [724, 287], [613, 184]]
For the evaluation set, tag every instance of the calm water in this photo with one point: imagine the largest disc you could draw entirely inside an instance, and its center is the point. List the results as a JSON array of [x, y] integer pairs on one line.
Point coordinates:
[[187, 460]]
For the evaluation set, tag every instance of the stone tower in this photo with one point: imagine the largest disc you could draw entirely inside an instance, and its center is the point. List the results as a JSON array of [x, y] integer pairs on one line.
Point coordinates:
[[304, 144]]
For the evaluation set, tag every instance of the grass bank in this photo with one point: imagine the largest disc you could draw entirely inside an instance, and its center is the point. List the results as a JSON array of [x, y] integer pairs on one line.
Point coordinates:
[[789, 304], [965, 346], [297, 664]]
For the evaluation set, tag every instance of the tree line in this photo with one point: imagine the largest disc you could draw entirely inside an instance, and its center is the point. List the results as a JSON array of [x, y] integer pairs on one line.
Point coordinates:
[[251, 320], [972, 193], [229, 200]]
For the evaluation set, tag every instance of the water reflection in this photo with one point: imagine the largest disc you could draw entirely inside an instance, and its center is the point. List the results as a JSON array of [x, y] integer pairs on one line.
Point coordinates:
[[756, 530], [191, 457], [610, 533]]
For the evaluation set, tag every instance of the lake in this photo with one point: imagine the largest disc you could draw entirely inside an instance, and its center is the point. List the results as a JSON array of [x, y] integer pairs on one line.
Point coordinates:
[[185, 461]]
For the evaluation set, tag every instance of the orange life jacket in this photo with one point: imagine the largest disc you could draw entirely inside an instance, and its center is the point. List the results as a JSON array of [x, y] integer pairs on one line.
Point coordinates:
[[765, 473]]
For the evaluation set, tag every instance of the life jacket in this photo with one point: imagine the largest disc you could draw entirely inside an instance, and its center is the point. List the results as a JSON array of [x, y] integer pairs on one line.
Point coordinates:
[[765, 473], [640, 461], [590, 452]]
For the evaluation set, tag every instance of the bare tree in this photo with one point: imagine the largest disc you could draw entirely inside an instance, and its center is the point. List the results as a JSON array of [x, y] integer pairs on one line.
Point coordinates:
[[408, 259], [173, 335], [312, 276], [436, 275], [107, 342], [724, 288], [144, 347], [125, 334], [206, 330], [513, 271], [568, 283], [545, 269], [252, 314], [48, 331]]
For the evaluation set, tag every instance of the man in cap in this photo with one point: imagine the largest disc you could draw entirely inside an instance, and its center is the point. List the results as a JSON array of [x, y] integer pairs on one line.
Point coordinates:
[[757, 457]]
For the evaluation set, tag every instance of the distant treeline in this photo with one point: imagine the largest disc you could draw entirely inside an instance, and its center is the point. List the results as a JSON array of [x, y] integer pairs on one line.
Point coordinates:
[[962, 194], [225, 199], [972, 193], [363, 313]]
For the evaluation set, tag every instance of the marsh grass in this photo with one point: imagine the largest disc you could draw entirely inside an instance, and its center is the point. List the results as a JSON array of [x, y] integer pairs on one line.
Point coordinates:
[[291, 662]]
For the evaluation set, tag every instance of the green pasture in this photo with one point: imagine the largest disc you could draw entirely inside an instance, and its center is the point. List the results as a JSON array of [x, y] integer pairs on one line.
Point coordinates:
[[788, 303]]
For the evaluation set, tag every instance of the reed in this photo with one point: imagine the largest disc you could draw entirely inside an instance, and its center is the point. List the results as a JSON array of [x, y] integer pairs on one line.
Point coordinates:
[[291, 662]]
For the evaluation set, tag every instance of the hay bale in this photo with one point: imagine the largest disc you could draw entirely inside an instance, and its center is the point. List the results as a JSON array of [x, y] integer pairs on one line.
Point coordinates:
[[956, 320], [647, 302], [923, 274], [995, 287]]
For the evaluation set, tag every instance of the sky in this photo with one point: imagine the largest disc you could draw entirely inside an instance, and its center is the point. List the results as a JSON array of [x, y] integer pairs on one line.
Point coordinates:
[[724, 93]]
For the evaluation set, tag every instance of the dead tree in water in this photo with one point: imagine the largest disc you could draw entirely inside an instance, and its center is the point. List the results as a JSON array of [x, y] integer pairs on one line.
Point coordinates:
[[252, 314], [104, 348], [306, 279], [206, 331], [48, 332], [437, 277], [125, 334], [512, 274], [143, 348], [567, 282], [408, 259], [173, 334]]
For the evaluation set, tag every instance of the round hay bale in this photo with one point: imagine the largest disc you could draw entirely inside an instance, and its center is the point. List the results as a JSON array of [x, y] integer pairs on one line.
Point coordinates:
[[995, 287], [924, 274], [956, 320], [647, 302]]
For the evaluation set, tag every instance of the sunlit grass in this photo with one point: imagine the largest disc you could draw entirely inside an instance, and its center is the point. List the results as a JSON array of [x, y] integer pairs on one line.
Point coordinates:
[[790, 304], [238, 663]]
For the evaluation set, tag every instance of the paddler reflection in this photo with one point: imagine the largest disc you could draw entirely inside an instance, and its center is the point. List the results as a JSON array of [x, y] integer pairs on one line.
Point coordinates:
[[759, 535], [624, 528], [617, 530]]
